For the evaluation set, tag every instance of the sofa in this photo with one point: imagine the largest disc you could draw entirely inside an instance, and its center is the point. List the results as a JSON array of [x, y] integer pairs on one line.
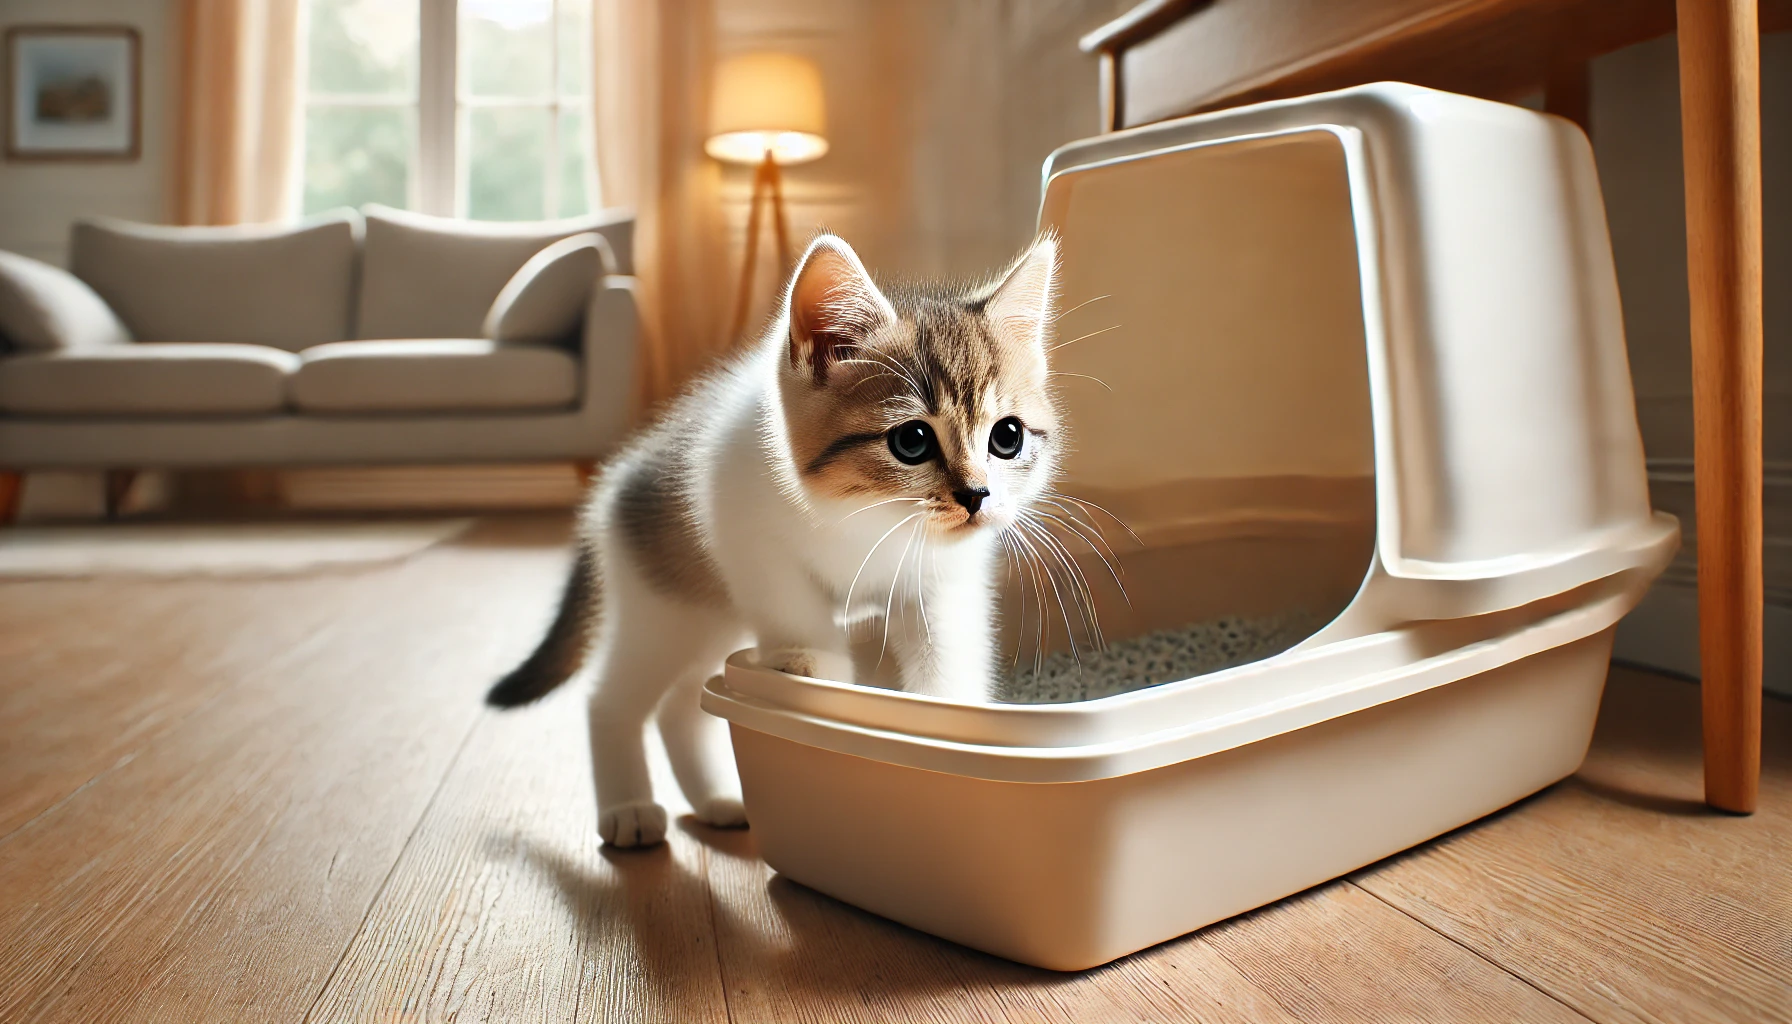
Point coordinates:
[[364, 337]]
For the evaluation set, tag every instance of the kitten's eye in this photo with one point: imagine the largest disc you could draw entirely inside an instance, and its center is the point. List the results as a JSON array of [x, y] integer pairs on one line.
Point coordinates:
[[912, 443], [1005, 438]]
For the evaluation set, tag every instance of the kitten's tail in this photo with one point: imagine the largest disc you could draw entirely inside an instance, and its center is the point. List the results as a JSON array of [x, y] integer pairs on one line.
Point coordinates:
[[562, 651]]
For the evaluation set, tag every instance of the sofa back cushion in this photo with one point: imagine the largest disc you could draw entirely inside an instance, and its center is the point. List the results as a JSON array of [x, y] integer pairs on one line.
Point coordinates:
[[288, 286], [47, 309], [434, 277]]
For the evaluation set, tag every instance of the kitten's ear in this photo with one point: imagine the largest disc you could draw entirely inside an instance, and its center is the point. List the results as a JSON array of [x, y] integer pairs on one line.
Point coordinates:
[[1020, 309], [833, 305]]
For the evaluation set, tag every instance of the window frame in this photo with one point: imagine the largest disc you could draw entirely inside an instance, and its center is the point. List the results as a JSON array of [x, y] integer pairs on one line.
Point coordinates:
[[440, 169]]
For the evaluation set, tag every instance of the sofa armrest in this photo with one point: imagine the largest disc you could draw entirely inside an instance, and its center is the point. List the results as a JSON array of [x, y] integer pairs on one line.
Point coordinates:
[[610, 350]]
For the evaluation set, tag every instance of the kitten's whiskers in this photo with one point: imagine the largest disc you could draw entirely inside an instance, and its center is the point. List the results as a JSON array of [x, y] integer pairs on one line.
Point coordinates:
[[1078, 306], [896, 578], [1086, 337], [846, 606], [875, 504], [1096, 551], [1067, 373], [1075, 581], [1087, 504], [1069, 630]]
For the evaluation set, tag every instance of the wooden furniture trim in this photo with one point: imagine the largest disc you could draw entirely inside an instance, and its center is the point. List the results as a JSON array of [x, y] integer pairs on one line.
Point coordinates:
[[1142, 22], [1535, 40]]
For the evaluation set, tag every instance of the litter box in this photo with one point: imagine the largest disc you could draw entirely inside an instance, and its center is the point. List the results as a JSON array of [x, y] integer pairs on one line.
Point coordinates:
[[1365, 411]]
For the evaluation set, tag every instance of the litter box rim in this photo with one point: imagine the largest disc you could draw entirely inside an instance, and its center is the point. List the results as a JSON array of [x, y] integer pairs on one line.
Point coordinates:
[[1113, 736]]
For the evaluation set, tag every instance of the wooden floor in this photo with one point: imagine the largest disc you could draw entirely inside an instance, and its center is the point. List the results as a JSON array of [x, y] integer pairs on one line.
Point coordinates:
[[281, 800]]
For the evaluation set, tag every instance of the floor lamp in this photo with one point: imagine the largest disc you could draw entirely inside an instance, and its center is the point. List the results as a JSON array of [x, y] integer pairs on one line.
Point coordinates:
[[767, 112]]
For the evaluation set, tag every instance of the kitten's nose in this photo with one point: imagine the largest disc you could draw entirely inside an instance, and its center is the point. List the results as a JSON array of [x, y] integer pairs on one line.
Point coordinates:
[[971, 498]]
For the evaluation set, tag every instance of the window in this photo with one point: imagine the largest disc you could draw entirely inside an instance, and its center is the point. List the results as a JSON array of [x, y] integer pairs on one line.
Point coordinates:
[[470, 108]]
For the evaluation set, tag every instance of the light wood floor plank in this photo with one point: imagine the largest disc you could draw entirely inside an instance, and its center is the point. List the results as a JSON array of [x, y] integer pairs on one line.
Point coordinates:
[[85, 683], [220, 874], [504, 907], [1618, 891], [1338, 954]]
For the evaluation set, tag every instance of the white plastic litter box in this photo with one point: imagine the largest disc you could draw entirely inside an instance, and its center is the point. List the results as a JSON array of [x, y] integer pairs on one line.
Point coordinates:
[[1362, 377]]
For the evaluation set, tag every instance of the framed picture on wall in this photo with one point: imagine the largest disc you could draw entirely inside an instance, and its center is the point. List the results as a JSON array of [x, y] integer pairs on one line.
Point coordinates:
[[73, 92]]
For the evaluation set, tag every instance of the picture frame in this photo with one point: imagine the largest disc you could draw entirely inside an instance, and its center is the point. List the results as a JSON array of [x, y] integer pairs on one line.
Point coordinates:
[[73, 93]]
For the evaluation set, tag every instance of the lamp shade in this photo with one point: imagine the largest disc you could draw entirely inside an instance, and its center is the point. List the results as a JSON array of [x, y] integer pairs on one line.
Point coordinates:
[[767, 103]]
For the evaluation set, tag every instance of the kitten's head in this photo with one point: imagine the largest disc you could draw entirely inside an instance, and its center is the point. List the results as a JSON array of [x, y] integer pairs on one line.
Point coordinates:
[[932, 398]]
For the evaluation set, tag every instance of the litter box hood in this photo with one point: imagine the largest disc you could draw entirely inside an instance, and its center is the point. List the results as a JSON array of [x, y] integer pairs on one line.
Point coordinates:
[[1470, 249]]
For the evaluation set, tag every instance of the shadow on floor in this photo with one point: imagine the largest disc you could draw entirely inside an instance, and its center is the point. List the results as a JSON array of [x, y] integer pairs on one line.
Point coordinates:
[[771, 934]]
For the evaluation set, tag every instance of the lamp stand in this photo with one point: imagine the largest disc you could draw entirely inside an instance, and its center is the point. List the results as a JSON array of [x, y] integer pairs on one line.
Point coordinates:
[[768, 185]]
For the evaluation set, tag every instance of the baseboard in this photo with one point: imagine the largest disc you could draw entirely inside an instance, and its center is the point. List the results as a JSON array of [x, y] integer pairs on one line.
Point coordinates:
[[1663, 633]]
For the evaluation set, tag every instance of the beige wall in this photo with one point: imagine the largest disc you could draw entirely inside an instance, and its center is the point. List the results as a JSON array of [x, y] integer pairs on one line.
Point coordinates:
[[940, 115], [38, 201], [1636, 135]]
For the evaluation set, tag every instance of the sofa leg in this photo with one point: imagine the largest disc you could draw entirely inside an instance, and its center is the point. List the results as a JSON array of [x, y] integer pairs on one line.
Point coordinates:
[[12, 488], [118, 488]]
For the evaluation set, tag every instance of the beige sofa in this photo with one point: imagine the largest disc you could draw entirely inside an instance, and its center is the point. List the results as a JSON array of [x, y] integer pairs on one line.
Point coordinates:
[[355, 338]]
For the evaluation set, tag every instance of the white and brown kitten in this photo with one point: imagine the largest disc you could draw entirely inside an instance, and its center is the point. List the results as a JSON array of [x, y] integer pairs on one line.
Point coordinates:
[[854, 468]]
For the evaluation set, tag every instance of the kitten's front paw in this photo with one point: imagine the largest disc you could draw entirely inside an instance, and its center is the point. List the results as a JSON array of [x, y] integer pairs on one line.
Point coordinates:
[[722, 812], [636, 823], [794, 660]]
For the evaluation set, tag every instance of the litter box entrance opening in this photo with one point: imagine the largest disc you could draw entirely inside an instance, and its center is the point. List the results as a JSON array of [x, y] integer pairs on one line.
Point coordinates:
[[1213, 368]]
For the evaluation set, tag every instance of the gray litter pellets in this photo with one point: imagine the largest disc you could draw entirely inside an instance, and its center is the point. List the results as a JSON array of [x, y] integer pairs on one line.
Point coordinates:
[[1155, 658]]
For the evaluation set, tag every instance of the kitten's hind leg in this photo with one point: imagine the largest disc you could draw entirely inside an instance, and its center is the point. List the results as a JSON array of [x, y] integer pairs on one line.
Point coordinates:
[[653, 642], [701, 755]]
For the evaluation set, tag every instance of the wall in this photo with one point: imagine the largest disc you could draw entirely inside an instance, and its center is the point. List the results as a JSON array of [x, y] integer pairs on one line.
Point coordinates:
[[38, 201], [1636, 137]]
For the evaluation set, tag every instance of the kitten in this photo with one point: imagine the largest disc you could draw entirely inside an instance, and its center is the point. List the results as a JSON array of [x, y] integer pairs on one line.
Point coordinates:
[[857, 465]]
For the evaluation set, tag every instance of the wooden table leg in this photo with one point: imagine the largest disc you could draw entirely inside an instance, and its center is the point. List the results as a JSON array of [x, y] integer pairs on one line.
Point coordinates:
[[12, 486], [1720, 116], [118, 488]]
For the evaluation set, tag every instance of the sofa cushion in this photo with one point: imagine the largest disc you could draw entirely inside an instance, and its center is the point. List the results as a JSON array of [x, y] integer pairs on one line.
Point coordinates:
[[434, 277], [433, 375], [45, 308], [286, 286], [170, 379], [544, 301]]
